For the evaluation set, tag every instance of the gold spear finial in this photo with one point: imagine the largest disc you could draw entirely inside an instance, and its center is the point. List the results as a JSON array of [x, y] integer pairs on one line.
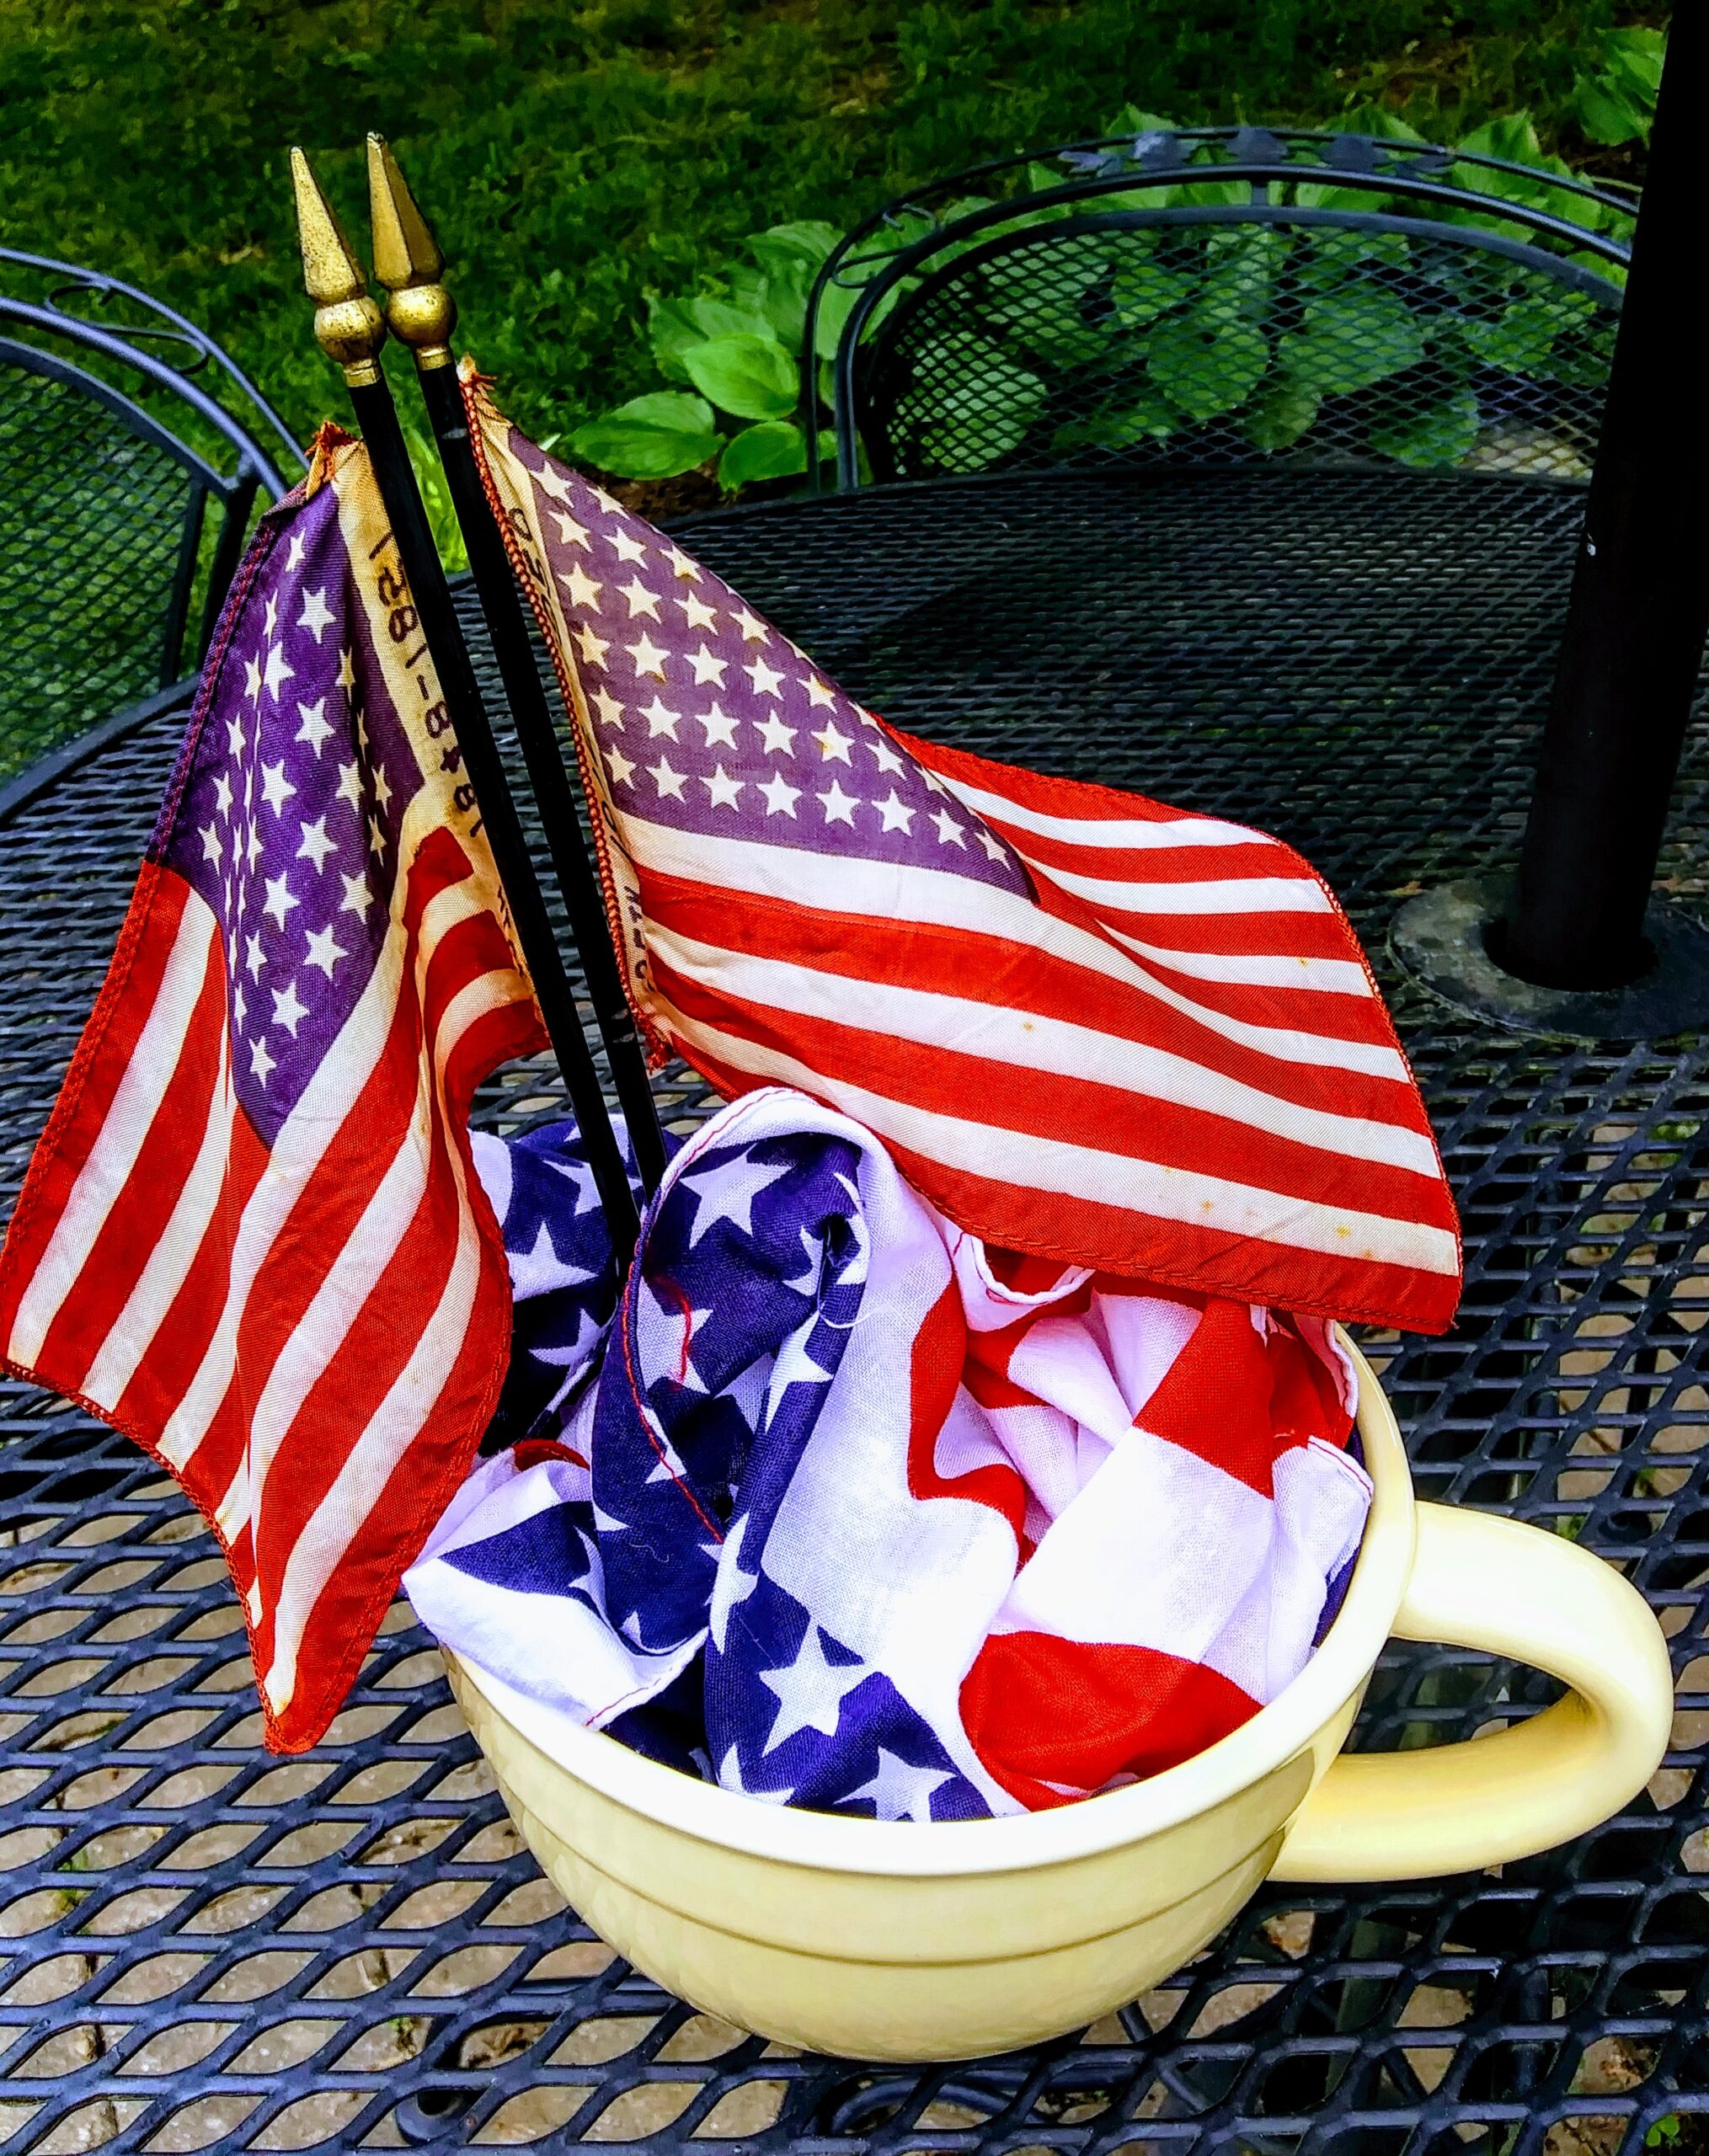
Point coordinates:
[[407, 262], [348, 326]]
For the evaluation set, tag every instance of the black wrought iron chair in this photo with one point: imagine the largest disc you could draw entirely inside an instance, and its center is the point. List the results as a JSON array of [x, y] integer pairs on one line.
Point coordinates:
[[1222, 296], [131, 458]]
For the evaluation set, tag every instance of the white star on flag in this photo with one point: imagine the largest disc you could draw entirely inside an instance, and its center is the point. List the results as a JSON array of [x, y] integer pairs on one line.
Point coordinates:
[[719, 728], [276, 672], [537, 1271], [810, 1692], [316, 844], [899, 1790], [722, 1194], [781, 797], [289, 1010], [731, 1586], [648, 656], [317, 616], [580, 586], [708, 667], [794, 1365], [315, 727]]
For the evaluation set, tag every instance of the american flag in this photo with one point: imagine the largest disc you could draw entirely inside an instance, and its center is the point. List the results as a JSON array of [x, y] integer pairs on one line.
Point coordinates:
[[1087, 1026], [833, 1515], [251, 1237]]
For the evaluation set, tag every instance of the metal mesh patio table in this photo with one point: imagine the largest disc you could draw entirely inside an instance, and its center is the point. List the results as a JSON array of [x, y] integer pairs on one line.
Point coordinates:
[[205, 1944]]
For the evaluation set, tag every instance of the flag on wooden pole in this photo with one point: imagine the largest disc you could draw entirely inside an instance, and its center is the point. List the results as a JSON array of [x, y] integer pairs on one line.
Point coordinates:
[[1088, 1027], [252, 1238]]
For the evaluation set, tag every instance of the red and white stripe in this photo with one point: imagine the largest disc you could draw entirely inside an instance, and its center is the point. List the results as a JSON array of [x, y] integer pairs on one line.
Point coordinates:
[[305, 1334], [1173, 1060]]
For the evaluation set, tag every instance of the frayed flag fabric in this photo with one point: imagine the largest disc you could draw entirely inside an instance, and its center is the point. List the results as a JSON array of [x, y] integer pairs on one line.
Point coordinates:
[[1087, 1026], [846, 1509], [251, 1237]]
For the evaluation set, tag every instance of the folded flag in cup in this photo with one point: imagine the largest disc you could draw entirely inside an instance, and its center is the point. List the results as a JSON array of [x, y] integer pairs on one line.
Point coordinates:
[[1087, 1026], [844, 1509]]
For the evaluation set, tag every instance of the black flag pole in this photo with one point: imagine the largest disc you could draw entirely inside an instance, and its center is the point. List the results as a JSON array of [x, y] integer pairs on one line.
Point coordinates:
[[350, 330], [421, 314]]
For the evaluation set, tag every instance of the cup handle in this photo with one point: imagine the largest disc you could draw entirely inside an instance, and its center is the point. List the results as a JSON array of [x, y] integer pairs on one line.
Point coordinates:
[[1480, 1581]]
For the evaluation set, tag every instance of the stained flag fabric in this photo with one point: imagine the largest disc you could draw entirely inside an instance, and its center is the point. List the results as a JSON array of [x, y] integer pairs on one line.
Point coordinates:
[[251, 1237], [843, 1509], [1087, 1025]]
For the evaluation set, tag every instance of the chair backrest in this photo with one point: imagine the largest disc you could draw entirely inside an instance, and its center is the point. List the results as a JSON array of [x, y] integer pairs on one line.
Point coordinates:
[[129, 469], [1223, 297]]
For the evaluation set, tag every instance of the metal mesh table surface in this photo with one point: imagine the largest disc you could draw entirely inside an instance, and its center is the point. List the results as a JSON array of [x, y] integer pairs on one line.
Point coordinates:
[[206, 1945]]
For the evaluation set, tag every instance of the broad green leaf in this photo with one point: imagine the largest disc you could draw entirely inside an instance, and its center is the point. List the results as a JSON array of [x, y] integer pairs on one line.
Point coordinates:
[[1284, 411], [652, 437], [979, 403], [720, 318], [1371, 120], [747, 289], [1515, 138], [1130, 121], [783, 300], [671, 329], [963, 206], [1617, 103], [1207, 190], [1519, 339], [1239, 264], [1309, 195], [1041, 299], [1351, 339], [752, 377], [1205, 366], [781, 246], [1129, 427], [790, 258], [772, 450], [1607, 113], [837, 302], [1442, 434], [1141, 290], [1325, 260], [1377, 120]]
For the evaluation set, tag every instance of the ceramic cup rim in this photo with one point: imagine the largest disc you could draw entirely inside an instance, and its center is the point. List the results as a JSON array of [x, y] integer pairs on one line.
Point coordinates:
[[824, 1841]]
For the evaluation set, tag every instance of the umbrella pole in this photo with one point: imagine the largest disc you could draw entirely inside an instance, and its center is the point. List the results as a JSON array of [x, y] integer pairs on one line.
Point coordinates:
[[351, 329], [1640, 600], [422, 314]]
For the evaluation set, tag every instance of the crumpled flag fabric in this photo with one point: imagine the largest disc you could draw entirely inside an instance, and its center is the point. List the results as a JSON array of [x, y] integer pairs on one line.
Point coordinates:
[[843, 1509]]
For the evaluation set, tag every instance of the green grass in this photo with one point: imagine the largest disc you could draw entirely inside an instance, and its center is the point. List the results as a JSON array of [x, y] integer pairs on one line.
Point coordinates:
[[573, 159]]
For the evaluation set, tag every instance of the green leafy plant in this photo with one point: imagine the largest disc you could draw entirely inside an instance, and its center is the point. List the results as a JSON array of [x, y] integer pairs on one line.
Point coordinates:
[[1614, 103], [1400, 350], [1252, 326], [740, 355]]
